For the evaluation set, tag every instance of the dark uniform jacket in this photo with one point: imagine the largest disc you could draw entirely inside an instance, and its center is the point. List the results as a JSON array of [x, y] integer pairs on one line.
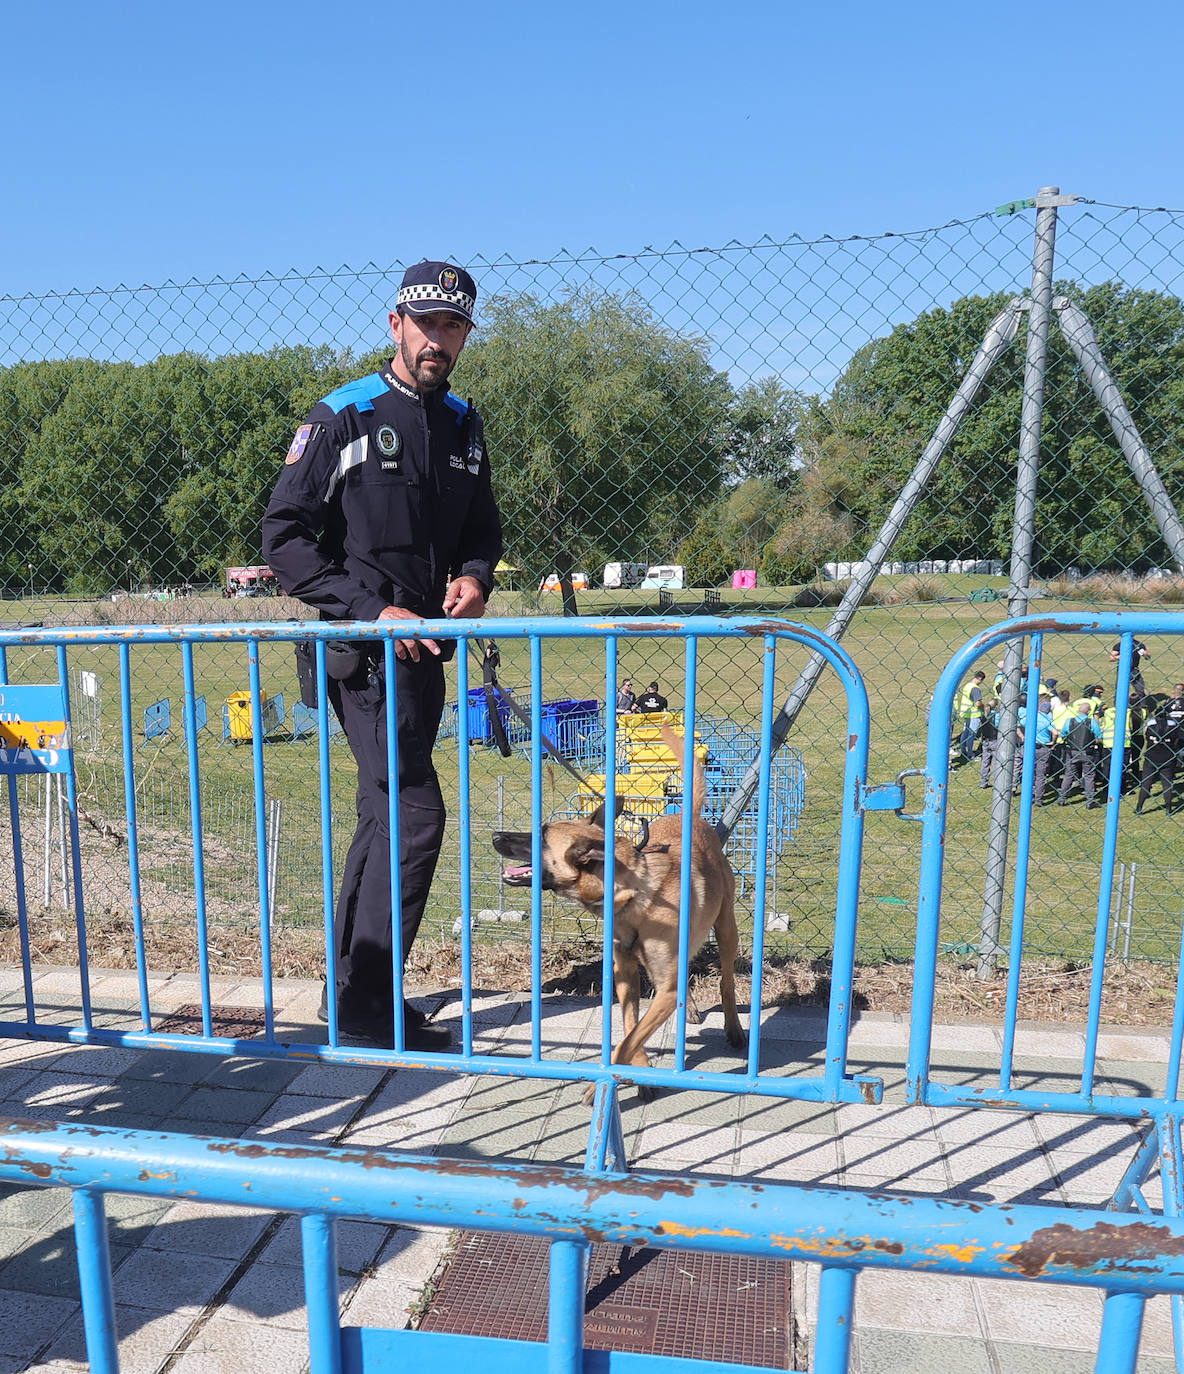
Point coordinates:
[[385, 497]]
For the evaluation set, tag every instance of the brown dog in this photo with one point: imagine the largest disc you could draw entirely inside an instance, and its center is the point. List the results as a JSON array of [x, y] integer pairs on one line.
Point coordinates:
[[645, 905]]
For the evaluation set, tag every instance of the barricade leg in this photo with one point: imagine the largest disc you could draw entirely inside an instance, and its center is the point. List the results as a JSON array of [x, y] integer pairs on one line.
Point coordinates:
[[565, 1313], [832, 1332], [318, 1241], [606, 1139], [1122, 1323], [94, 1281]]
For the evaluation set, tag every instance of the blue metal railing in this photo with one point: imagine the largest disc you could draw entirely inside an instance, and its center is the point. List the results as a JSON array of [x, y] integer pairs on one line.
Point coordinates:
[[771, 637], [1120, 627], [841, 1231]]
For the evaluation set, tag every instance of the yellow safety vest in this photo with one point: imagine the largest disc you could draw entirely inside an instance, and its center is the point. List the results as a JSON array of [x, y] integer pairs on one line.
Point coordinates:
[[1108, 728], [967, 706]]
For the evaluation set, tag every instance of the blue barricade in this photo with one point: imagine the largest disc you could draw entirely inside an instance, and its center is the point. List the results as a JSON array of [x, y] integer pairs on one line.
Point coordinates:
[[842, 1232]]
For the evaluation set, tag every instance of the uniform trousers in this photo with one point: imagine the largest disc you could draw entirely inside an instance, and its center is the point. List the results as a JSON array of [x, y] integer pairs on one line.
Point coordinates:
[[1159, 765], [1083, 766], [362, 922], [1041, 765]]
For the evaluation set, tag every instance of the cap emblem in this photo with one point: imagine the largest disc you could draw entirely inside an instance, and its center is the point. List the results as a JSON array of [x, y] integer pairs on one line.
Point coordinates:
[[448, 279]]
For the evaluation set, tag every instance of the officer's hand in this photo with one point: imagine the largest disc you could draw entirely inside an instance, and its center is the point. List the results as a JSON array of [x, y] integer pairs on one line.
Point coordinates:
[[464, 599], [408, 648]]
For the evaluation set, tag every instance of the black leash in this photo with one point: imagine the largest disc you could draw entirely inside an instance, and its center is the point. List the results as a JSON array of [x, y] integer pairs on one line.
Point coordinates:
[[491, 661]]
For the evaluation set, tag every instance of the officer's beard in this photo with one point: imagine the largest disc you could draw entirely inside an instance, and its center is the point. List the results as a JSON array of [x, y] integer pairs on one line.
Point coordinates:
[[429, 378]]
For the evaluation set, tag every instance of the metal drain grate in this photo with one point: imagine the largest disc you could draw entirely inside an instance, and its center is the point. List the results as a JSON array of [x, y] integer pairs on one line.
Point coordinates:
[[230, 1023], [660, 1302]]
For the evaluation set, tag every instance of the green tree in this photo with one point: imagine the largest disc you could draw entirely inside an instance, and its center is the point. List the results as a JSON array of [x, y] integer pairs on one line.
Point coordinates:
[[762, 437], [233, 424], [891, 396], [607, 429]]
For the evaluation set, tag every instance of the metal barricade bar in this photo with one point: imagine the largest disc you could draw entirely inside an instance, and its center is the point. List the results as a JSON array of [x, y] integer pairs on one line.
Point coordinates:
[[831, 1084], [842, 1231]]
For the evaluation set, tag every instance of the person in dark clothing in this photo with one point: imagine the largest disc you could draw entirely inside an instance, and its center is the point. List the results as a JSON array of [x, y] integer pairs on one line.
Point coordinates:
[[1082, 737], [384, 512], [626, 698], [1139, 652], [1163, 743], [651, 700]]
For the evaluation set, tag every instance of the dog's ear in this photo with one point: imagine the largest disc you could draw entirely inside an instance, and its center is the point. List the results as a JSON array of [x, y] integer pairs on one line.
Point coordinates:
[[584, 852], [597, 818]]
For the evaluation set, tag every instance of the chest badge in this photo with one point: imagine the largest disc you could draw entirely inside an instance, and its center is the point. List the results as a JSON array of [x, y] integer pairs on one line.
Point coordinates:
[[388, 441]]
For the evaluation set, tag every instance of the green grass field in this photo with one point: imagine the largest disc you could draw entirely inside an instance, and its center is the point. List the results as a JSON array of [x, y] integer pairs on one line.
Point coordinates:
[[900, 650]]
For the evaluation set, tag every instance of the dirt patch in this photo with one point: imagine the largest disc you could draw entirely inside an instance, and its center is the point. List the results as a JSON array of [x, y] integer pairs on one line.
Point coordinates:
[[1137, 994]]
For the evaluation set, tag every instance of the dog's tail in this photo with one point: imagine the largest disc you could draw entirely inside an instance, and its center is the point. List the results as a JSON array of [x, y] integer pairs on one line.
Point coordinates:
[[675, 743]]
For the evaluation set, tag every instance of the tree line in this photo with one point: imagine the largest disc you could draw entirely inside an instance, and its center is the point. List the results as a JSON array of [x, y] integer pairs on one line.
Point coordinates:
[[613, 437]]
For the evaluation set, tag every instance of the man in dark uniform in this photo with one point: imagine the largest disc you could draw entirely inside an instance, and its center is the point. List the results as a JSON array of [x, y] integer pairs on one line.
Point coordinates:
[[651, 700], [1164, 743], [384, 511]]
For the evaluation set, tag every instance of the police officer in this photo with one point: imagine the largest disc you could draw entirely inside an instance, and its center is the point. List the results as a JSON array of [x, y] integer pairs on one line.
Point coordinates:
[[384, 512], [1159, 759]]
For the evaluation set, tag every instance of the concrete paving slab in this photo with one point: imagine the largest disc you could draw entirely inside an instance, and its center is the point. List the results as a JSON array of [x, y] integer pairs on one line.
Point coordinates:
[[226, 1346], [903, 1352], [29, 1321], [146, 1341], [931, 1303], [793, 1156]]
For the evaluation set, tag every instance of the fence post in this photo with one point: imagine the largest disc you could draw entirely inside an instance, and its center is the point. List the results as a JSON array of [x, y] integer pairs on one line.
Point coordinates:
[[1130, 917], [1022, 540], [997, 339], [273, 850]]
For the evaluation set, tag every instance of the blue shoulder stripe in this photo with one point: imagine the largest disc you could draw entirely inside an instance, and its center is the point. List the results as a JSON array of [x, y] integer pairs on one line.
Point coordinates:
[[457, 405], [360, 393]]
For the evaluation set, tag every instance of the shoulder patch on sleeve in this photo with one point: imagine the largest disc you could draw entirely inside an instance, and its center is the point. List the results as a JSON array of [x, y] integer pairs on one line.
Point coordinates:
[[300, 441]]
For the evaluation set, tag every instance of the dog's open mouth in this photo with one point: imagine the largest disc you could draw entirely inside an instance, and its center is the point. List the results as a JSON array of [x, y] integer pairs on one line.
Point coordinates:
[[517, 875]]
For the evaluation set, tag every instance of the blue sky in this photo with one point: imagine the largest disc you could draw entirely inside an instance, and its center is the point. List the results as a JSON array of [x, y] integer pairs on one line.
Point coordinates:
[[149, 142]]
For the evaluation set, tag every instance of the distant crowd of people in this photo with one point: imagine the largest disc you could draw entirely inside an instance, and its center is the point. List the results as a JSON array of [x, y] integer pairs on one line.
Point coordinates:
[[1075, 738]]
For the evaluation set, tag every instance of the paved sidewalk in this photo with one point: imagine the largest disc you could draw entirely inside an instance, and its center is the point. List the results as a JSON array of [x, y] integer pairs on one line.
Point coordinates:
[[215, 1290]]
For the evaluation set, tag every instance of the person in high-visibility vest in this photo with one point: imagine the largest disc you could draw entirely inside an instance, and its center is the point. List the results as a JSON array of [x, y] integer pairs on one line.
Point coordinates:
[[971, 708], [1108, 716]]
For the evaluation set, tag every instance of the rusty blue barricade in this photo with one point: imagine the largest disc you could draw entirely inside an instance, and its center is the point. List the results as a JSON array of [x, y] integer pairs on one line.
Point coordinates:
[[80, 1026], [844, 1232], [1128, 1256], [1004, 1087]]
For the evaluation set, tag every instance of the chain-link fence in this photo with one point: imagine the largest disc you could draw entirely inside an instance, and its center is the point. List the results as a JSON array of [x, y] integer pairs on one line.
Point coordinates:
[[722, 429]]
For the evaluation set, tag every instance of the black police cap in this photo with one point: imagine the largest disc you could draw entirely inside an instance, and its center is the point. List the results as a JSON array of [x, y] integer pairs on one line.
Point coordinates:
[[432, 286]]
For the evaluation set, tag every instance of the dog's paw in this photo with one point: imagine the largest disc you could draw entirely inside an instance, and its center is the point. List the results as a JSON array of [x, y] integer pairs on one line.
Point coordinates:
[[735, 1035], [646, 1092], [589, 1094]]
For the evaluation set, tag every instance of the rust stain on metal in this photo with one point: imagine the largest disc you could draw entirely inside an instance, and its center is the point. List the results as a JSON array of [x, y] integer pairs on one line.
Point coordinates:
[[145, 1174], [889, 1247], [1102, 1244], [852, 741], [653, 1189], [770, 627], [36, 1168], [868, 1092]]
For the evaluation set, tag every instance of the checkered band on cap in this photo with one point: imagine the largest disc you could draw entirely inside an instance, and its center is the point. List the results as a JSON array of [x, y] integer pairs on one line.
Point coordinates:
[[433, 292]]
